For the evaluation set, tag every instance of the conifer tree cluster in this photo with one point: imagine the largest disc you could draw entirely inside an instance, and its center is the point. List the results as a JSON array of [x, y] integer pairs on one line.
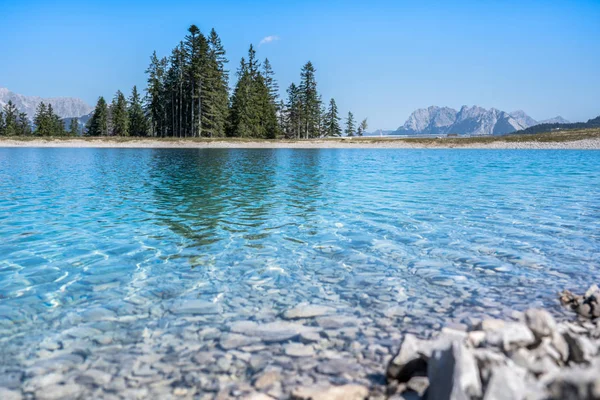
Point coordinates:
[[351, 128], [304, 115], [13, 122], [188, 95], [46, 122], [121, 118], [254, 102]]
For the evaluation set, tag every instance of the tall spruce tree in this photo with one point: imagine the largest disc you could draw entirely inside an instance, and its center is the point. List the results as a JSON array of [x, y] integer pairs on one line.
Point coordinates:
[[174, 94], [41, 122], [271, 82], [252, 112], [98, 124], [309, 96], [195, 47], [23, 125], [120, 116], [156, 94], [350, 125], [293, 112], [11, 115], [332, 120], [138, 125], [57, 126], [2, 127], [217, 88]]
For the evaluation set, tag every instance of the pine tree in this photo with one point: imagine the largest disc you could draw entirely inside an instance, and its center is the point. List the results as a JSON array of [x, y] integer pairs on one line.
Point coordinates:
[[239, 116], [74, 127], [216, 89], [23, 125], [310, 101], [156, 94], [2, 127], [350, 127], [332, 120], [10, 119], [270, 82], [362, 128], [98, 124], [40, 120], [196, 49], [252, 112], [55, 123], [138, 125], [120, 116], [174, 95], [293, 111]]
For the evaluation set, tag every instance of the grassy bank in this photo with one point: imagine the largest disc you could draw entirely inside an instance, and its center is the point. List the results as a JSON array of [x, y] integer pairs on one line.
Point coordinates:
[[546, 139]]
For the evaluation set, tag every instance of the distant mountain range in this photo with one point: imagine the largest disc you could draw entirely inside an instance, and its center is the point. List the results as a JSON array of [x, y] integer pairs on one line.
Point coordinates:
[[468, 121], [65, 107], [550, 126]]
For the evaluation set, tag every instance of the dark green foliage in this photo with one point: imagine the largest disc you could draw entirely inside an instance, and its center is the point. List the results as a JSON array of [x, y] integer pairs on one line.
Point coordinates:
[[350, 125], [270, 82], [157, 95], [11, 119], [216, 90], [98, 124], [46, 122], [253, 113], [138, 124], [293, 113], [57, 127], [311, 107], [41, 122], [304, 113], [13, 122], [332, 120], [23, 125], [188, 93], [120, 116]]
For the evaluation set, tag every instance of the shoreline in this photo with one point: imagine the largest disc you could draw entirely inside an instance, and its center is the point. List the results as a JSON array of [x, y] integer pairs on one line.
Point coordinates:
[[354, 143]]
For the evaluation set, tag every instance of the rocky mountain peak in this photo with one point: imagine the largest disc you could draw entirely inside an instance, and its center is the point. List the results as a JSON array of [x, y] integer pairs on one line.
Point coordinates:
[[65, 107], [469, 120]]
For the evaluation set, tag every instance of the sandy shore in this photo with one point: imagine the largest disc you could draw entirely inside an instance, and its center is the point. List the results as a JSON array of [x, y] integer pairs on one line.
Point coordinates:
[[585, 144]]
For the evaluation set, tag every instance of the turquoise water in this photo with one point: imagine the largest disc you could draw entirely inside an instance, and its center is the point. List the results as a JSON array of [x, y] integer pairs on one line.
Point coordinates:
[[123, 242]]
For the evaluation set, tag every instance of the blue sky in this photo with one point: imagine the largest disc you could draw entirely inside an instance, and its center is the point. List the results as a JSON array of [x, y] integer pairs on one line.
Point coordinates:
[[379, 59]]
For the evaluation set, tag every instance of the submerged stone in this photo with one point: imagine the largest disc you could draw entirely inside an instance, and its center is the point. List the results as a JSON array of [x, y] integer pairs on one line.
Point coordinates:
[[307, 311], [194, 307]]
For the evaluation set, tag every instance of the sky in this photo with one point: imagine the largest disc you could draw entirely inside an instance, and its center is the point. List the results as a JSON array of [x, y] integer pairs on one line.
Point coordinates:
[[379, 59]]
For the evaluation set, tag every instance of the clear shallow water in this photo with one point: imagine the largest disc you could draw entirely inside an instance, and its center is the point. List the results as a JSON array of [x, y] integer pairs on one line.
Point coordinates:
[[117, 254]]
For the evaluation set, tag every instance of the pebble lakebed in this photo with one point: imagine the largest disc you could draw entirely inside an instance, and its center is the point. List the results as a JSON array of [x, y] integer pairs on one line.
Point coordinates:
[[131, 274]]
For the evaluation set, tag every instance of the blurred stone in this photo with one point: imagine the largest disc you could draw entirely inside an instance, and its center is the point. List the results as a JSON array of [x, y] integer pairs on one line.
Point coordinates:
[[307, 311], [453, 374], [505, 383], [408, 362], [540, 322], [345, 392]]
